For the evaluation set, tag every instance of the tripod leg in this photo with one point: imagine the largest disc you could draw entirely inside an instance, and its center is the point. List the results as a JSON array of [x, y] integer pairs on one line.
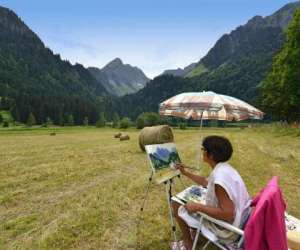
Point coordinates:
[[182, 184], [147, 191], [169, 196]]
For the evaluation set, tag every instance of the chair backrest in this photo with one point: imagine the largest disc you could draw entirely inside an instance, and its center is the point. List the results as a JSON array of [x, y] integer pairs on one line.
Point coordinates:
[[265, 228], [245, 217]]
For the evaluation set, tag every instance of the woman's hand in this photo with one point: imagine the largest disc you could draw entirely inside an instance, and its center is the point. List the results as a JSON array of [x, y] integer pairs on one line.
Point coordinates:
[[180, 167], [192, 207]]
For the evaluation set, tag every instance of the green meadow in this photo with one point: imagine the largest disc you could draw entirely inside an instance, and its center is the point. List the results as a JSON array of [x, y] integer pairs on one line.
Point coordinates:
[[82, 189]]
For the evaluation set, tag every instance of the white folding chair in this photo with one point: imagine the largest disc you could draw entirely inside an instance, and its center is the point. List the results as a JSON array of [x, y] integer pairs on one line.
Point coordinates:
[[236, 245], [271, 195]]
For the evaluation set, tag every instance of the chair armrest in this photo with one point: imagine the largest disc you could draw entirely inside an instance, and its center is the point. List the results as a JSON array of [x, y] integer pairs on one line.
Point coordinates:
[[223, 224]]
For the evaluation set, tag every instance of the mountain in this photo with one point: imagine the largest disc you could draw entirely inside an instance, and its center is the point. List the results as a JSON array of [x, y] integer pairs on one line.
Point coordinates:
[[35, 80], [233, 43], [120, 79], [235, 66], [179, 71], [255, 37], [148, 98]]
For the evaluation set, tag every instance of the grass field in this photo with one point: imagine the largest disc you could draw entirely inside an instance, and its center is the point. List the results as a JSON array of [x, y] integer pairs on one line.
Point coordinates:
[[82, 189]]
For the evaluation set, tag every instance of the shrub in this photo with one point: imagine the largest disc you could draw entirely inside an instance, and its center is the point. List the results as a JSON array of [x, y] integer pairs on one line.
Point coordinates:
[[125, 123], [182, 125], [1, 119], [140, 122], [147, 119], [5, 124], [165, 120], [47, 123]]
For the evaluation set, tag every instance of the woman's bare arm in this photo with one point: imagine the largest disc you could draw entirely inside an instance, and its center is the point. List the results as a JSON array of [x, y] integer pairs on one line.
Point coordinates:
[[225, 211], [196, 178]]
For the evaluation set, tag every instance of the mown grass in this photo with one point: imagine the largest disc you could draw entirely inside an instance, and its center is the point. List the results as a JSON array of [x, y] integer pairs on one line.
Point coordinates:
[[82, 189]]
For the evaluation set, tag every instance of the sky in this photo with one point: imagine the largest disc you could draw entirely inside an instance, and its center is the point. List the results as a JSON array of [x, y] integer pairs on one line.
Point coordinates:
[[153, 35]]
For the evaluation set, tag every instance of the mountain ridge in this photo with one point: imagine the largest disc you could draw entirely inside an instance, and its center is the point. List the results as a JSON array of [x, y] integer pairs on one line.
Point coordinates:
[[37, 81], [120, 79], [279, 19], [234, 66], [180, 71]]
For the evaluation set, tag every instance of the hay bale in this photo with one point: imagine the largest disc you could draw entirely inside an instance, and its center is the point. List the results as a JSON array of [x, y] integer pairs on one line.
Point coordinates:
[[118, 135], [155, 135], [124, 137]]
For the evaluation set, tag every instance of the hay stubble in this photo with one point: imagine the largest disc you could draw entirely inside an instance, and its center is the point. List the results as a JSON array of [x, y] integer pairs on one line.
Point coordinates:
[[83, 189]]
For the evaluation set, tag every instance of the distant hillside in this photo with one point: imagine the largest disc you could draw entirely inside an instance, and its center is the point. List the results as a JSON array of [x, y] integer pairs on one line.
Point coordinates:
[[236, 64], [148, 98], [120, 79], [179, 71], [253, 38], [38, 81]]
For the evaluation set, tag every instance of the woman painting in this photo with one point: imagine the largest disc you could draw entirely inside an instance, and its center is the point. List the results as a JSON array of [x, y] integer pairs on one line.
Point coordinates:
[[227, 198]]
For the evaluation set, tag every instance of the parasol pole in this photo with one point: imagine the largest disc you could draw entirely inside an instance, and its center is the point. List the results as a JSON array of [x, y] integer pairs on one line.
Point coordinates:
[[200, 143]]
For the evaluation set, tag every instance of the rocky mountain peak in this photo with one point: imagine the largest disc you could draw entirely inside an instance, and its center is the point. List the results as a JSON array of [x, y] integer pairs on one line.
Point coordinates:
[[10, 21], [119, 78], [115, 63], [280, 18]]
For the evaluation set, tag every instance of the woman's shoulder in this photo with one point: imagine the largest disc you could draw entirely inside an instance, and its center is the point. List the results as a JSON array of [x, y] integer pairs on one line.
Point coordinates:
[[225, 169]]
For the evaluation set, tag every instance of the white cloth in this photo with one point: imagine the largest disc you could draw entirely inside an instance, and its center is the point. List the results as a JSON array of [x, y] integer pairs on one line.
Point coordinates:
[[228, 178]]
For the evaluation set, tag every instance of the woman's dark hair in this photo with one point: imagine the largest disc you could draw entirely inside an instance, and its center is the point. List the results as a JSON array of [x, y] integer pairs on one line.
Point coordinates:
[[218, 147]]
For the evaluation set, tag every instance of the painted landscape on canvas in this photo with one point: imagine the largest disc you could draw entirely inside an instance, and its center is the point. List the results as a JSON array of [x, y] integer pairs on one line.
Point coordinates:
[[163, 158]]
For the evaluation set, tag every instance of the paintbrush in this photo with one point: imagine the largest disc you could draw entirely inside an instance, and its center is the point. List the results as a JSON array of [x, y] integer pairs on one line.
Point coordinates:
[[191, 168], [174, 167]]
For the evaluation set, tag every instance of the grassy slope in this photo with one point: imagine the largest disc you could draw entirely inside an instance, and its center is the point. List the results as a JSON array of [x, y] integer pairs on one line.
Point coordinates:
[[82, 189], [199, 70]]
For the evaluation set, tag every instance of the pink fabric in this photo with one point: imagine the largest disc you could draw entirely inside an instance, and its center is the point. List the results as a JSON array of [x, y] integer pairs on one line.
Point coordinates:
[[265, 229]]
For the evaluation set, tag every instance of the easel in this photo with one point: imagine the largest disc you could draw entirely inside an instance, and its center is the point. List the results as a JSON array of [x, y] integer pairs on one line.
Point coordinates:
[[168, 188]]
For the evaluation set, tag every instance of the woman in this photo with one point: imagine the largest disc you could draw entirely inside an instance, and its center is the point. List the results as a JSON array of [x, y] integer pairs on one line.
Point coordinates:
[[227, 198]]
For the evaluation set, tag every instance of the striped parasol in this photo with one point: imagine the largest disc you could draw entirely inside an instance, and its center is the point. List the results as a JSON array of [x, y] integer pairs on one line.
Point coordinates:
[[208, 106]]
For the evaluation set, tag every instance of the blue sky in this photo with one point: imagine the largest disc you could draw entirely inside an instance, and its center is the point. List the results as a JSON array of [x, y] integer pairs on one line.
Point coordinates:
[[152, 34]]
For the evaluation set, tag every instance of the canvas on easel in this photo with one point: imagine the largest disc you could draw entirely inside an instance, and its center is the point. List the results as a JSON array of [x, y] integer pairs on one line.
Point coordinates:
[[163, 158]]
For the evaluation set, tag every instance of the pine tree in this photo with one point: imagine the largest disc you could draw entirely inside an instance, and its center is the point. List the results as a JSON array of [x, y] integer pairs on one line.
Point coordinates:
[[101, 121], [280, 90], [15, 113], [116, 120], [60, 118], [48, 121], [86, 121], [70, 120], [31, 120]]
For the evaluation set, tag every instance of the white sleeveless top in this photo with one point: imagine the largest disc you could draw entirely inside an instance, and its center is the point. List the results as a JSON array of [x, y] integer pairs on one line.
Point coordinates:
[[229, 179]]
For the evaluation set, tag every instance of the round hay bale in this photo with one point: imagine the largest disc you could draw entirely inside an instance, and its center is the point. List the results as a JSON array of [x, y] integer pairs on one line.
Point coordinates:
[[124, 137], [118, 135], [155, 135]]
